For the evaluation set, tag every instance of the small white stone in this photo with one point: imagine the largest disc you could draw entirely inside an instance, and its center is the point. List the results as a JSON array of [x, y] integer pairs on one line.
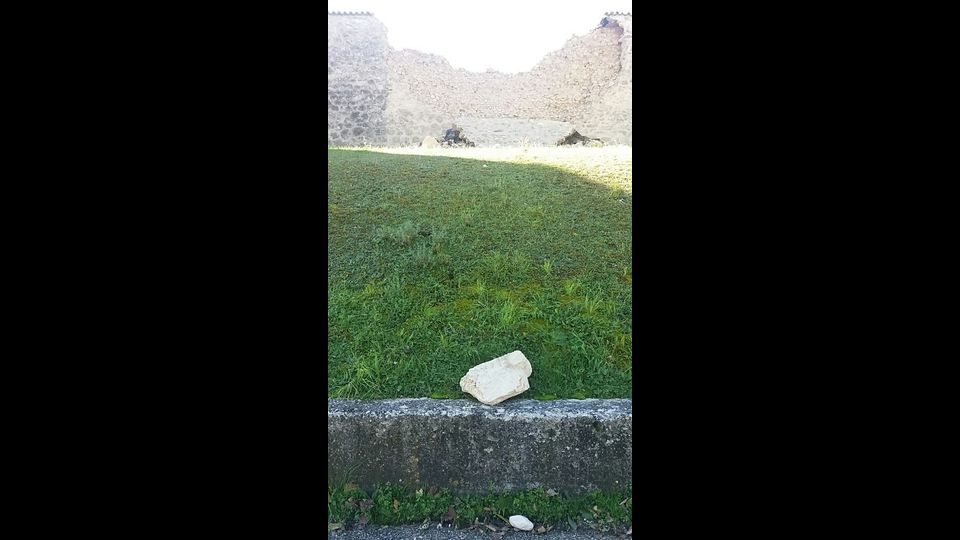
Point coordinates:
[[499, 379], [521, 523]]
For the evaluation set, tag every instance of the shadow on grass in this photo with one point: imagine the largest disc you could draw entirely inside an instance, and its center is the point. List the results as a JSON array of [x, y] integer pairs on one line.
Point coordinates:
[[437, 263]]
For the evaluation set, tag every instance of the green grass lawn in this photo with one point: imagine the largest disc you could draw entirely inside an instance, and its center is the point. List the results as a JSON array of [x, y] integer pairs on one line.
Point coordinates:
[[394, 505], [439, 260]]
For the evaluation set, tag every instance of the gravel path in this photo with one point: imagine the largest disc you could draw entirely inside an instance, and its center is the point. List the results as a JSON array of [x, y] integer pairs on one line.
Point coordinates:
[[413, 532]]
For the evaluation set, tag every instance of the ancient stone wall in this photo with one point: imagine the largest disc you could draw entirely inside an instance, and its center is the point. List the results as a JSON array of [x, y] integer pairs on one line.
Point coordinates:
[[610, 117], [513, 131], [356, 80], [587, 84], [427, 94]]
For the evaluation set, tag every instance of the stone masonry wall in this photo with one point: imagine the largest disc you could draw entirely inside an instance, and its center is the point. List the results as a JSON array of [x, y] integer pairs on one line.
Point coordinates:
[[356, 80], [379, 95], [427, 94], [611, 116], [513, 131]]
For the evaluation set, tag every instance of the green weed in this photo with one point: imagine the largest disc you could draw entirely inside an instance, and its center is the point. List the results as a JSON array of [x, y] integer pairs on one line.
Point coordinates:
[[570, 286]]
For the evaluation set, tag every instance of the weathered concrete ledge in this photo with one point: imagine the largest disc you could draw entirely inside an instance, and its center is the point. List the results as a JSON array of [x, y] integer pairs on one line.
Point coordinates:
[[573, 446]]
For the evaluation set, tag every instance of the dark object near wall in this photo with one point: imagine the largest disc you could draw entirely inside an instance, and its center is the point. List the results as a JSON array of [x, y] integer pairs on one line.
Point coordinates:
[[577, 138], [452, 134], [454, 137]]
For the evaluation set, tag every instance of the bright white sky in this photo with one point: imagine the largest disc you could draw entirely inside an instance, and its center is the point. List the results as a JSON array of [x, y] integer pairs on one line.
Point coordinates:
[[506, 35]]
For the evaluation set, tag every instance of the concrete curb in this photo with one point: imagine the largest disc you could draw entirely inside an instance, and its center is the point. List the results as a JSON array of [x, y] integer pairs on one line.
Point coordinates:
[[573, 446]]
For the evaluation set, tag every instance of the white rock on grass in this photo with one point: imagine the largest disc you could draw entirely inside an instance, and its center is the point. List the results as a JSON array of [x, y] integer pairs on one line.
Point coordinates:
[[521, 523], [499, 379]]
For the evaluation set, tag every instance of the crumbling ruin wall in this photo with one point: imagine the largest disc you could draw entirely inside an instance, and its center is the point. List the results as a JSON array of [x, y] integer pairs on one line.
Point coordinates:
[[610, 117], [415, 108], [587, 83], [356, 79], [427, 94]]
